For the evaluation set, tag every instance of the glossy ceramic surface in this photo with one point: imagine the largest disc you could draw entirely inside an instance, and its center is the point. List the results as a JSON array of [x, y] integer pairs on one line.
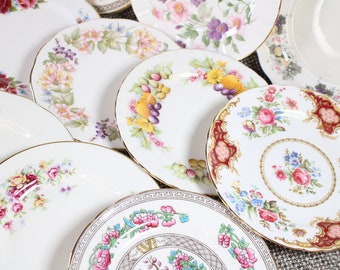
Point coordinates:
[[167, 229], [76, 75], [49, 193], [165, 106], [273, 154], [110, 6]]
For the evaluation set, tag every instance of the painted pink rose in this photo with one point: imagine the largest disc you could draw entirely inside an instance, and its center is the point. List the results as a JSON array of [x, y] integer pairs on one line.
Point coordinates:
[[329, 116], [106, 239], [103, 260], [271, 90], [27, 3], [223, 240], [334, 231], [168, 208], [301, 176], [266, 116], [2, 213], [52, 172], [269, 98], [245, 257], [17, 207], [268, 215], [5, 5], [222, 151]]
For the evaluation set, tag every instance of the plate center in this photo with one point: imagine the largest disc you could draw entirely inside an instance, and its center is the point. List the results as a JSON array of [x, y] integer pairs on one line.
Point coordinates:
[[298, 172], [313, 27]]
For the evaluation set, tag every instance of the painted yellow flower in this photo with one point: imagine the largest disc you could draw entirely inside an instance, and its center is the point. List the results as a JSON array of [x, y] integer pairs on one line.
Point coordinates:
[[39, 202], [214, 76], [145, 125], [221, 63], [43, 165], [232, 82], [129, 121]]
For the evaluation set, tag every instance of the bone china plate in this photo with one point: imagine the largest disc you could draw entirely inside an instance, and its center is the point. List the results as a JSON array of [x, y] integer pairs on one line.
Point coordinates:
[[23, 124], [50, 192], [77, 73], [232, 27], [168, 229], [303, 49], [25, 26], [165, 106], [273, 154]]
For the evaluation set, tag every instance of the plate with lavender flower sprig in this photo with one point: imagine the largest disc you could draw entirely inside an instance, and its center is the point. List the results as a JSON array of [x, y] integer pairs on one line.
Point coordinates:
[[77, 73], [232, 27], [165, 106]]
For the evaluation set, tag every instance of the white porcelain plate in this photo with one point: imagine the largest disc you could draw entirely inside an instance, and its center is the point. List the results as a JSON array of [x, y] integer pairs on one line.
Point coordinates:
[[77, 73], [235, 28], [168, 229], [110, 6], [49, 193], [165, 106], [23, 124], [303, 48], [25, 27], [273, 154]]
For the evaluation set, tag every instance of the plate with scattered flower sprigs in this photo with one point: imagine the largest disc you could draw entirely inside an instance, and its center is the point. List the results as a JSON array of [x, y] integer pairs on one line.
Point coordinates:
[[165, 106], [235, 28]]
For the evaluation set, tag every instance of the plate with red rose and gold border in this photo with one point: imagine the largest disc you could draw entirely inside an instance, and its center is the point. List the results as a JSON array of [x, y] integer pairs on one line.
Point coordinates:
[[168, 229], [50, 192], [273, 155]]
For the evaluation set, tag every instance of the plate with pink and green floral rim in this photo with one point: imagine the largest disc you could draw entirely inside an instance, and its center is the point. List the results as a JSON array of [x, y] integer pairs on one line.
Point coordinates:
[[232, 27], [50, 192], [77, 73], [168, 229], [273, 155], [23, 33], [165, 106], [302, 48]]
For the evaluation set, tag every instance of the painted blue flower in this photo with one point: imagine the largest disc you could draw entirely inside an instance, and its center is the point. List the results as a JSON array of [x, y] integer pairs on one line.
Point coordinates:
[[183, 218], [240, 207], [243, 193], [245, 111], [230, 197], [257, 203]]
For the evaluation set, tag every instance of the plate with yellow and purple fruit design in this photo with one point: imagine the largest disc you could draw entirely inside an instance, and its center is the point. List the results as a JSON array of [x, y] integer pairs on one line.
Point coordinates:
[[273, 155], [165, 106], [168, 229], [77, 73]]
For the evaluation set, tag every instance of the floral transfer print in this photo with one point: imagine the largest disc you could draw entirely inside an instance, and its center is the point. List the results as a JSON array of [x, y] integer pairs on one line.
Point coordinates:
[[229, 82], [24, 190], [267, 118], [57, 78], [138, 222], [145, 107], [238, 248], [194, 21], [268, 212], [196, 172], [7, 6], [301, 173], [10, 85]]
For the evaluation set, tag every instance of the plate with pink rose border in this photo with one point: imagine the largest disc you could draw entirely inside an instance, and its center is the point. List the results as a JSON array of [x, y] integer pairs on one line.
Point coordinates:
[[273, 155], [77, 73], [232, 27], [50, 192], [168, 229], [25, 26]]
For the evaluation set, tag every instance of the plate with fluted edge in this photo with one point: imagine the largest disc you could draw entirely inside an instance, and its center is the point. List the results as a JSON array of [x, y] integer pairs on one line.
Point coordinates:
[[50, 192], [302, 49], [165, 106], [166, 229], [273, 155], [77, 73], [21, 24]]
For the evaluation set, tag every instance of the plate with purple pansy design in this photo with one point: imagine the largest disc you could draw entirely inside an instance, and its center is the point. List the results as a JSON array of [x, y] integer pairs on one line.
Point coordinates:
[[168, 229], [303, 49], [50, 192], [273, 155], [23, 124], [77, 73], [165, 106], [232, 27], [23, 33]]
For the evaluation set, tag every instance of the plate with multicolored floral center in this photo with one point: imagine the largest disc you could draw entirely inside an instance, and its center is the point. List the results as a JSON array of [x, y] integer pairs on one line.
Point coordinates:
[[273, 155], [165, 106], [168, 229], [23, 33], [232, 27], [77, 73], [302, 48], [50, 192], [23, 124]]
